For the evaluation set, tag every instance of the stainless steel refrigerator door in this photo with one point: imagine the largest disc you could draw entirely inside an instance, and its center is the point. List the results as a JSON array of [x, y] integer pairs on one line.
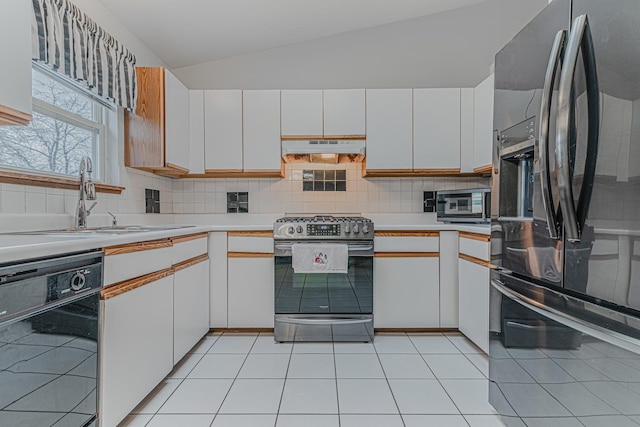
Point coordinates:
[[605, 263], [559, 361], [521, 66]]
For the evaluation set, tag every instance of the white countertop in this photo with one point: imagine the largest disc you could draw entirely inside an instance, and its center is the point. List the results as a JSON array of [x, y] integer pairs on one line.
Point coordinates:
[[16, 247]]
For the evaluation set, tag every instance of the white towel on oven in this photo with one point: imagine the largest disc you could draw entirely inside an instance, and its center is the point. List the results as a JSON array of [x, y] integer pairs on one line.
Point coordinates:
[[320, 258]]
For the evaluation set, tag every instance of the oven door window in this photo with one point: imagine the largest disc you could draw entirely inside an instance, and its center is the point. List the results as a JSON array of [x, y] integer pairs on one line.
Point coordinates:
[[324, 293]]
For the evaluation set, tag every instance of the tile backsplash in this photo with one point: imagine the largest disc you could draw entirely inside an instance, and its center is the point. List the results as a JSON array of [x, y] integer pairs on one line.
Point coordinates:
[[287, 195], [18, 199]]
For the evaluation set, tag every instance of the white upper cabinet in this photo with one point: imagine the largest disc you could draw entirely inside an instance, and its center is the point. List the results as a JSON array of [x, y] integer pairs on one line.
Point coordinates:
[[483, 123], [389, 129], [176, 121], [223, 130], [15, 74], [261, 128], [196, 131], [302, 112], [344, 112], [436, 129], [466, 129]]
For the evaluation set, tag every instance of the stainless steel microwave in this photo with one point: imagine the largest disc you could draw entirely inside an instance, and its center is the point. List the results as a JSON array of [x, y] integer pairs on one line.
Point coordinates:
[[464, 205]]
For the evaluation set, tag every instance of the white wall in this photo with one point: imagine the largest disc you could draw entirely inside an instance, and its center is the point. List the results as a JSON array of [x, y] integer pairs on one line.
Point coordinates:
[[450, 49]]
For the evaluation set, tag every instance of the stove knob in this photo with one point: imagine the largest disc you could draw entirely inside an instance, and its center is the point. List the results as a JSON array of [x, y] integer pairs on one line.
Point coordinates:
[[365, 228], [346, 228], [299, 229], [355, 228], [291, 230]]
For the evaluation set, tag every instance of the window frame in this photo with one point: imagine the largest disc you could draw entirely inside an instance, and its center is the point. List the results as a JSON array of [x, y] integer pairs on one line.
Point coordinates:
[[105, 120]]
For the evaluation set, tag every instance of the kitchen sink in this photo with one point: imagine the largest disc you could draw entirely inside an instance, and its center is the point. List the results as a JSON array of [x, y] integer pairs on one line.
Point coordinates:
[[100, 231]]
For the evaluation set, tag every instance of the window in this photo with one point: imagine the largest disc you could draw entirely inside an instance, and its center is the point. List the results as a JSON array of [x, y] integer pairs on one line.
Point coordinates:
[[68, 124]]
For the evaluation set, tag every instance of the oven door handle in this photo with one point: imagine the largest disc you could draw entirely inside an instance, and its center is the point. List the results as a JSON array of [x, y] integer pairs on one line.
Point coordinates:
[[325, 321], [352, 248]]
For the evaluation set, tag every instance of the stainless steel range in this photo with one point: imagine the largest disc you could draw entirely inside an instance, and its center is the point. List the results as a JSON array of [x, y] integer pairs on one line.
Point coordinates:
[[323, 279]]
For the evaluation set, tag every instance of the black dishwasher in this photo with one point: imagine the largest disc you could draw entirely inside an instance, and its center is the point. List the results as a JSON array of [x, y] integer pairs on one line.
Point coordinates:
[[49, 341]]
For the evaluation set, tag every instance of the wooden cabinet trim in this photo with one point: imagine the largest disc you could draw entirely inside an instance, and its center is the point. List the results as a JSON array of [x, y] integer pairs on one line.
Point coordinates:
[[249, 255], [148, 123], [189, 237], [12, 117], [475, 260], [238, 173], [475, 236], [20, 178], [137, 247], [131, 284], [251, 233], [406, 254], [417, 173], [407, 233], [484, 170], [190, 262]]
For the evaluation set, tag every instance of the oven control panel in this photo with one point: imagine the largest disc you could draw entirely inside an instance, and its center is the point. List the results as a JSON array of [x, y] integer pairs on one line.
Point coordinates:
[[323, 230]]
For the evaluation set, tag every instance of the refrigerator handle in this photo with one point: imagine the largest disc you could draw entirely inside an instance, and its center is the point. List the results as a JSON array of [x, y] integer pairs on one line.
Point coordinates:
[[609, 336], [580, 37], [555, 58]]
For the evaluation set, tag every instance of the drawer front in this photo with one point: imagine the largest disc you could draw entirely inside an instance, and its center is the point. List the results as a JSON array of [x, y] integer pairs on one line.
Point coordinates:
[[184, 249], [250, 244], [126, 266], [406, 244], [475, 248]]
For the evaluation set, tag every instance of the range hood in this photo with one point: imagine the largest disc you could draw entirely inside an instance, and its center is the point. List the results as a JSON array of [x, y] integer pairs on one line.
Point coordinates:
[[323, 150]]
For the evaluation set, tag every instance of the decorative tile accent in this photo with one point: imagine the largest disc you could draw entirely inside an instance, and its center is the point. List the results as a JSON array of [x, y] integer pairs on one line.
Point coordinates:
[[324, 180], [237, 202], [152, 200]]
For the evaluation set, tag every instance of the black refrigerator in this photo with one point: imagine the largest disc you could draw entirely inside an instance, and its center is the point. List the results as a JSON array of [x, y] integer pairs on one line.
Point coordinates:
[[565, 298]]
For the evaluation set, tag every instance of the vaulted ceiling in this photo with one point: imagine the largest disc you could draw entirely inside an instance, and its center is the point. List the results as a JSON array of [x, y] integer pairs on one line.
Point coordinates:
[[186, 32]]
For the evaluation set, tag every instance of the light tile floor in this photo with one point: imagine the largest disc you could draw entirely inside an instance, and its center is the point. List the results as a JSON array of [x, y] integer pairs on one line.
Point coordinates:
[[247, 380]]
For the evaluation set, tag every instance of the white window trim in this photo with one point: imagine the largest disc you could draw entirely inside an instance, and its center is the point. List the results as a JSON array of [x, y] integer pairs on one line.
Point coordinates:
[[109, 130]]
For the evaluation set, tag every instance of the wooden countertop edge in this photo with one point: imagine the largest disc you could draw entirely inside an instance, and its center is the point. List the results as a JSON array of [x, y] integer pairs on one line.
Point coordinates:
[[474, 236], [131, 284], [248, 233], [406, 254], [189, 237], [249, 255], [190, 262], [475, 260], [137, 247], [407, 233]]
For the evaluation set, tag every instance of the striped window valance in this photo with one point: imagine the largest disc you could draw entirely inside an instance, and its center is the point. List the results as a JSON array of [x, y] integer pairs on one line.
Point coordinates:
[[71, 43]]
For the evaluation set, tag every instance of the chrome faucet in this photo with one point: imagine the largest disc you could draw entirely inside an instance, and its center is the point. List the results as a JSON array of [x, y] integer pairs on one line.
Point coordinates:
[[87, 191]]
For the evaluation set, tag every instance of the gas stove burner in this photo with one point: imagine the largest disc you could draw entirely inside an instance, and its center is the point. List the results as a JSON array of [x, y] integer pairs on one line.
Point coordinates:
[[323, 227]]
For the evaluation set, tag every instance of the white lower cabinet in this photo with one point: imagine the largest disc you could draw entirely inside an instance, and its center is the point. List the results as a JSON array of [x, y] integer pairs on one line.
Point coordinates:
[[250, 295], [406, 292], [136, 347], [448, 279], [190, 307], [474, 302]]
